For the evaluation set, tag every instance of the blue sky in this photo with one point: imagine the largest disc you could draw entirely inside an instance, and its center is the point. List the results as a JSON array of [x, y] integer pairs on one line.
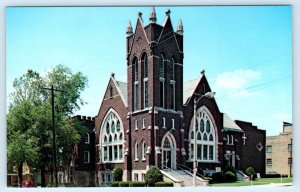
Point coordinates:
[[245, 51]]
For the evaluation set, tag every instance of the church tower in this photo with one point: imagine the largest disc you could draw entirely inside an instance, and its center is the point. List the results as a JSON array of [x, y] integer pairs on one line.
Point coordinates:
[[154, 60], [155, 93]]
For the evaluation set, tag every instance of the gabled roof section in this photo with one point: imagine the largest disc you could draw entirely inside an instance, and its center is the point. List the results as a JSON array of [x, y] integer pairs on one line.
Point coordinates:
[[167, 29], [230, 125], [139, 27], [122, 89], [189, 88]]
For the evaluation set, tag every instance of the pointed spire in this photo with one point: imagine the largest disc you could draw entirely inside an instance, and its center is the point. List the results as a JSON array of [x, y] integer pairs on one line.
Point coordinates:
[[129, 29], [152, 17], [112, 74], [180, 28], [140, 15], [168, 12]]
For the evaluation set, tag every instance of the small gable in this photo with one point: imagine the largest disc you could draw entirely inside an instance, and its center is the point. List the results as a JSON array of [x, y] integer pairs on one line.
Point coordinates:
[[140, 37], [199, 86], [116, 89], [167, 30]]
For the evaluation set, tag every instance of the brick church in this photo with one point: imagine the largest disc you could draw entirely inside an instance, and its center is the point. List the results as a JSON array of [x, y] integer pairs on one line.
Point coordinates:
[[149, 120]]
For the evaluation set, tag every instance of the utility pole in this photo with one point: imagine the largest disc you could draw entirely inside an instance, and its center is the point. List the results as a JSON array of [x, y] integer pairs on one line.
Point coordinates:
[[54, 159]]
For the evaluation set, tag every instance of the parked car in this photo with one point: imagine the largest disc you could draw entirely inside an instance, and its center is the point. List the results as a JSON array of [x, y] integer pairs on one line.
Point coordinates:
[[27, 183]]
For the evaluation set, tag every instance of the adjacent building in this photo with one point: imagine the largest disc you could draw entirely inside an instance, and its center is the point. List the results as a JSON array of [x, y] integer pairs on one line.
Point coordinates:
[[279, 151]]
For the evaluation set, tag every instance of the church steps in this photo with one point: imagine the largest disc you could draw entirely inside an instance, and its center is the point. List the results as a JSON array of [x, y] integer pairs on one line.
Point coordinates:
[[182, 178]]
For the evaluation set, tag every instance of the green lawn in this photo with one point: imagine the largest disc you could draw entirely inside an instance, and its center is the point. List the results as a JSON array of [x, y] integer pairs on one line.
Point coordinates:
[[261, 181]]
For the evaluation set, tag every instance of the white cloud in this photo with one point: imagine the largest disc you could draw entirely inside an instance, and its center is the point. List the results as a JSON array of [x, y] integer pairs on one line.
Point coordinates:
[[245, 93], [281, 117], [234, 84], [238, 79]]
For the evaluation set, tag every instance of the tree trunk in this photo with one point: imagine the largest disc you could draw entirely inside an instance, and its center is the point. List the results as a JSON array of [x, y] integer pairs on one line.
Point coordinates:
[[43, 177], [20, 172]]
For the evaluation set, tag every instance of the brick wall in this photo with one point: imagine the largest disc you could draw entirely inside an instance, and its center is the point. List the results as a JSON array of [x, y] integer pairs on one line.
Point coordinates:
[[251, 155]]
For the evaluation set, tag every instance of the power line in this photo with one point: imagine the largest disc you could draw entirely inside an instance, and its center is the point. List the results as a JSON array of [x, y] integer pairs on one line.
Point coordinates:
[[256, 87]]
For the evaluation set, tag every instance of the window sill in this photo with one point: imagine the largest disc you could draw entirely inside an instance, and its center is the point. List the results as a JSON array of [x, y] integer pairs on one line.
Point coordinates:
[[143, 160], [202, 161], [117, 161], [136, 160], [143, 127]]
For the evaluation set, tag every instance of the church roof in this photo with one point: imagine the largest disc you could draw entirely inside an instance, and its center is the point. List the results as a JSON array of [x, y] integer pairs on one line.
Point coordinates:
[[229, 124], [123, 89], [189, 88]]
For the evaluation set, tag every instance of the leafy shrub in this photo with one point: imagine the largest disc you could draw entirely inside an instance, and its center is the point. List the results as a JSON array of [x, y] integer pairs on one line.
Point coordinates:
[[163, 184], [218, 177], [229, 176], [152, 176], [115, 184], [137, 184], [124, 184], [230, 168], [49, 185], [274, 175], [118, 174], [250, 171]]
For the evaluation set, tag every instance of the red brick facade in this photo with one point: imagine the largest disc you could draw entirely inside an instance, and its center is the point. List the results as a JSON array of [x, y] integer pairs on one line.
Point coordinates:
[[165, 131]]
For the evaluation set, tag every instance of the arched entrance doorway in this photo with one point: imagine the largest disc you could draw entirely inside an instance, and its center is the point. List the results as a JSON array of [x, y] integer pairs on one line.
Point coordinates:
[[168, 153]]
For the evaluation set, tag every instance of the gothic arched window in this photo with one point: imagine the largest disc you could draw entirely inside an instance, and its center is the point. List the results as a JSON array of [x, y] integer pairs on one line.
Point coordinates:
[[135, 69], [135, 83], [136, 150], [112, 138], [206, 139], [162, 61], [167, 143], [145, 79], [172, 84], [172, 69], [144, 149], [145, 65], [110, 91]]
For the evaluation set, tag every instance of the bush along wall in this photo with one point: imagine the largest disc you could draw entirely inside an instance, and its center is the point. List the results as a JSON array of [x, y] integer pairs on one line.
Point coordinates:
[[124, 184], [218, 177], [163, 184], [115, 184], [274, 175], [230, 176], [137, 184]]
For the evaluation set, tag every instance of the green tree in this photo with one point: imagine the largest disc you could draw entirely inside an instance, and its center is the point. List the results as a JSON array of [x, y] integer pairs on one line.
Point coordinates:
[[21, 146], [118, 174], [251, 172], [30, 116], [153, 176]]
